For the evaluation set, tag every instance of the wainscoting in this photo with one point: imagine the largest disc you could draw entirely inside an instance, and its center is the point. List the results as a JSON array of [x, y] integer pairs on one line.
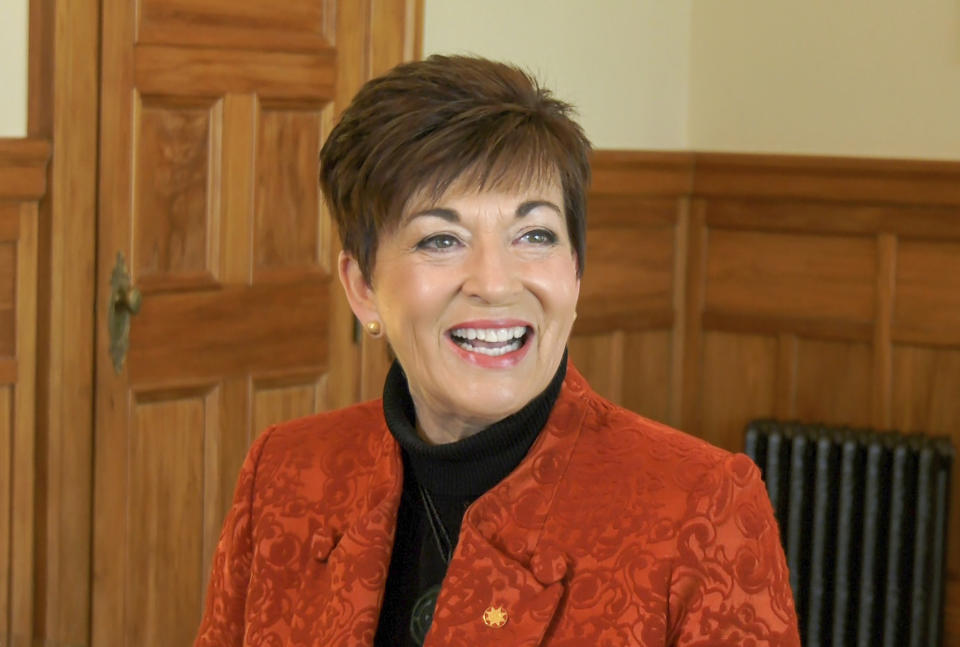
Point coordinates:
[[23, 181], [720, 288]]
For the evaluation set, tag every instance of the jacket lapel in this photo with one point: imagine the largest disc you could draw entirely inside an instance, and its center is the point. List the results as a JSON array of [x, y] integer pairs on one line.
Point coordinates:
[[342, 586], [503, 586]]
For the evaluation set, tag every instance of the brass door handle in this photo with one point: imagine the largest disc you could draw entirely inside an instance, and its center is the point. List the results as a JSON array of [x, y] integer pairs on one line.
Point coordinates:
[[125, 301]]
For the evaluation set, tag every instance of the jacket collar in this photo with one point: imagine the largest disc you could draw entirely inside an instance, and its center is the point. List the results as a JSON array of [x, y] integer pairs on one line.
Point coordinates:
[[499, 563]]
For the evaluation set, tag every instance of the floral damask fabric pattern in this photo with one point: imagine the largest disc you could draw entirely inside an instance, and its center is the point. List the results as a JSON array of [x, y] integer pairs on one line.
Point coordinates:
[[613, 530]]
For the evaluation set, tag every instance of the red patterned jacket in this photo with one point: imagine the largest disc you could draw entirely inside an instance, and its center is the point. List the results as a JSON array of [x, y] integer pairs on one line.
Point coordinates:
[[613, 530]]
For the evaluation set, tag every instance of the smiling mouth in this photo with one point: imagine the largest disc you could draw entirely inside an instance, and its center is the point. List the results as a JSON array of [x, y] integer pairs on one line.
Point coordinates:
[[492, 342]]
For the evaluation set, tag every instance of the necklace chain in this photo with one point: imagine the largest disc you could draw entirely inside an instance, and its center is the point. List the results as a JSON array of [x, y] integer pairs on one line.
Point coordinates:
[[439, 531]]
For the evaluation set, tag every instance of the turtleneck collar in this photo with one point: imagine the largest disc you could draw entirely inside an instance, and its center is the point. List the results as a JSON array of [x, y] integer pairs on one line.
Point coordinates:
[[471, 466]]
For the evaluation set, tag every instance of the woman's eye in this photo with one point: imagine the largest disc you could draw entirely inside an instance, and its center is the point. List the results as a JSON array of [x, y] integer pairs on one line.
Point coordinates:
[[539, 237], [438, 242]]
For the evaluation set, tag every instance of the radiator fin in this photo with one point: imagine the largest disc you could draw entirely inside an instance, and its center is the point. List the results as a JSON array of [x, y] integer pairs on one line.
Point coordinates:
[[863, 520]]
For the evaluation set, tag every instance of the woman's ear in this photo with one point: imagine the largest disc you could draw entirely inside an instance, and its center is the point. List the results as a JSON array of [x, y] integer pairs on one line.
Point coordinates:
[[359, 292]]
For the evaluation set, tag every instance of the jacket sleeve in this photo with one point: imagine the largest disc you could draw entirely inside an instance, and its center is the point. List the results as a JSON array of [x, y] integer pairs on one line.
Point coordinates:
[[223, 617], [731, 585]]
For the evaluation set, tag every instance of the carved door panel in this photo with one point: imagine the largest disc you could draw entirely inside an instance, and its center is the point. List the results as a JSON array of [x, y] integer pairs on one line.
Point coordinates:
[[212, 117]]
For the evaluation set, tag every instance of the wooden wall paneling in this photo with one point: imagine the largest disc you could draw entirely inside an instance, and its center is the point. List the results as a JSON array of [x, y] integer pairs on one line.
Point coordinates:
[[7, 396], [739, 383], [927, 307], [23, 164], [647, 373], [693, 303], [834, 383], [63, 92], [23, 455], [788, 346], [681, 317], [883, 327], [783, 214], [628, 280], [791, 276], [600, 357], [23, 168], [627, 314], [817, 178], [395, 36]]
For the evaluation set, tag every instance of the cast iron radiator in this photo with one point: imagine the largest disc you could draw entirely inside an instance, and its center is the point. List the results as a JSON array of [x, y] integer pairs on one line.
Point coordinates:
[[863, 519]]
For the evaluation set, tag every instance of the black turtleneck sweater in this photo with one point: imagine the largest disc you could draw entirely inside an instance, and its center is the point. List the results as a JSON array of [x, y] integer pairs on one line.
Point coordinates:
[[453, 475]]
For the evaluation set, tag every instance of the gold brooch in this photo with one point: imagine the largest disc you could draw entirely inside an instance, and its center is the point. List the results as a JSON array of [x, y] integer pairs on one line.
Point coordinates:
[[495, 617]]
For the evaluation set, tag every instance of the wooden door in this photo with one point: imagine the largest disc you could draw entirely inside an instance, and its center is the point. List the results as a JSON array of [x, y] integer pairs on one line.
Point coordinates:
[[212, 117]]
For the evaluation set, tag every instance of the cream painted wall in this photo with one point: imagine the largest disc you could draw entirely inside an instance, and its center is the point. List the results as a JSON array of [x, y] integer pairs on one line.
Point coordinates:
[[13, 68], [623, 63], [858, 77]]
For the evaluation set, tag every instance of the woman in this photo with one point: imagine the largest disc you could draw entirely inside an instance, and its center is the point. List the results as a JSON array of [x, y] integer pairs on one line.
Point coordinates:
[[549, 515]]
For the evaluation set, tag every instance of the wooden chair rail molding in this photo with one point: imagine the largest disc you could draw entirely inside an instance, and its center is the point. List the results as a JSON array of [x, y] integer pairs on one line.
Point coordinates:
[[725, 287], [23, 168], [23, 172]]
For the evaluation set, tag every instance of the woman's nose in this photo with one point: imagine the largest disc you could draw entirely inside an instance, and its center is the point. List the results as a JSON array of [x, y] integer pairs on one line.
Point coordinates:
[[492, 274]]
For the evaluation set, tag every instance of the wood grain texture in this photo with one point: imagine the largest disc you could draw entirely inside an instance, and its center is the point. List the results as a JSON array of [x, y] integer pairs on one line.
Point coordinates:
[[23, 455], [883, 327], [8, 285], [64, 99], [630, 273], [224, 332], [201, 72], [834, 382], [811, 216], [739, 379], [296, 25], [276, 400], [927, 307], [819, 178], [6, 502], [789, 275], [642, 173], [237, 167], [23, 168], [288, 222], [600, 358], [176, 190], [163, 546]]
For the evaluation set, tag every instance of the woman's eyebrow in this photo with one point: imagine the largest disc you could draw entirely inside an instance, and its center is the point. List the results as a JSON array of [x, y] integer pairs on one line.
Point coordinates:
[[439, 212], [530, 205], [451, 215]]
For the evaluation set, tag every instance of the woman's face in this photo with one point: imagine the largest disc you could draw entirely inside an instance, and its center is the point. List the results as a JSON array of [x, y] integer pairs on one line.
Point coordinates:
[[477, 294]]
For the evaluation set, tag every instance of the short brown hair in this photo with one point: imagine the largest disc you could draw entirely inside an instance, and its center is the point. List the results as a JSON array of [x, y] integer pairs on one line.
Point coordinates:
[[426, 124]]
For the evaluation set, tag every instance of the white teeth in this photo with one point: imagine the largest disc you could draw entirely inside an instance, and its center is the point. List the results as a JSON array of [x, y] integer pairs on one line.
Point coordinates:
[[493, 352], [490, 334]]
